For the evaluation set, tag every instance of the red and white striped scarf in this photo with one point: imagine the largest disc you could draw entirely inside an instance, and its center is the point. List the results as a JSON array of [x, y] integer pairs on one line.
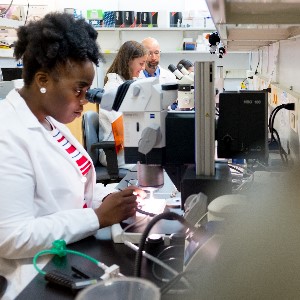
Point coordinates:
[[82, 162]]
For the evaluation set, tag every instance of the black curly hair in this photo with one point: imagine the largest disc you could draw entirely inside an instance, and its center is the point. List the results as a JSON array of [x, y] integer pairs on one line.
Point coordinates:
[[54, 40], [127, 52]]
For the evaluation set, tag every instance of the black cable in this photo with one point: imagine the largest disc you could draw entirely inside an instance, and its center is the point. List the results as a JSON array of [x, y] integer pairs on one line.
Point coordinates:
[[282, 152], [288, 106], [273, 131], [143, 212], [139, 254], [168, 255], [146, 212], [235, 168], [217, 111], [26, 14], [164, 289], [272, 118], [258, 62]]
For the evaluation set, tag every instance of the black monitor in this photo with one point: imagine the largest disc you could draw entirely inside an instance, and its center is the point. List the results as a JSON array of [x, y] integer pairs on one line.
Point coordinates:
[[9, 74], [180, 137], [242, 130]]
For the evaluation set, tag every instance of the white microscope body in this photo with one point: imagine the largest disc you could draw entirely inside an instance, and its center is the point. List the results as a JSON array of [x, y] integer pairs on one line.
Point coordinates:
[[144, 108], [185, 82]]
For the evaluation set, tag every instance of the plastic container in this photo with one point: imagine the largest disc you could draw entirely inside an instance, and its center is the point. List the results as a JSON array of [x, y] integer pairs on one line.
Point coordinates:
[[129, 19], [119, 18], [126, 288], [175, 19]]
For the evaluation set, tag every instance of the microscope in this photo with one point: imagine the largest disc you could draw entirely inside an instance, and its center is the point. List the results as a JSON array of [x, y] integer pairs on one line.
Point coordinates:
[[144, 104], [185, 82], [157, 139], [144, 108]]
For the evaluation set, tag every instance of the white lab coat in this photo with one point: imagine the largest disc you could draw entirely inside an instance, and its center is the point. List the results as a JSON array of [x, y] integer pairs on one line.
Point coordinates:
[[41, 192], [114, 80], [165, 76]]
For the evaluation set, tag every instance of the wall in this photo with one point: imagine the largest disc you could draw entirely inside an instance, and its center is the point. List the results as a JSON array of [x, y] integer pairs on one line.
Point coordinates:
[[153, 5], [279, 68], [230, 61], [279, 63]]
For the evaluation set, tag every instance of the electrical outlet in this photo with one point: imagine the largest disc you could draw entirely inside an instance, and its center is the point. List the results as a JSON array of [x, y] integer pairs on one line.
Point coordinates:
[[293, 98], [273, 100], [293, 121], [235, 73]]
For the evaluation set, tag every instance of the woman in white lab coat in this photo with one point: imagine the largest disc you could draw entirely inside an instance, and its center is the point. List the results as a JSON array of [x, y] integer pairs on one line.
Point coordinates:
[[48, 189], [127, 65]]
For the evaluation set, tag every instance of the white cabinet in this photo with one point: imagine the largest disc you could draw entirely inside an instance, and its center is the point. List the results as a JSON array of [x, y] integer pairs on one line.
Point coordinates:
[[251, 25], [170, 39], [8, 29], [6, 53], [9, 23]]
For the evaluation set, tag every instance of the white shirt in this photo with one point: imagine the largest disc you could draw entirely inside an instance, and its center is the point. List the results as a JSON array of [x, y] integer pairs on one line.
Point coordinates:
[[41, 192], [165, 76]]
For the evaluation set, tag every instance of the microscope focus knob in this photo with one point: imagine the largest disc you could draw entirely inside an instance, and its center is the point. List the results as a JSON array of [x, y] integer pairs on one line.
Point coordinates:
[[149, 137], [136, 91], [154, 244]]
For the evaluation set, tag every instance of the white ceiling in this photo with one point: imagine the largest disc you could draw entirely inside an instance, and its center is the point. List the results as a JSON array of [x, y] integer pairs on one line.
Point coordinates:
[[246, 25]]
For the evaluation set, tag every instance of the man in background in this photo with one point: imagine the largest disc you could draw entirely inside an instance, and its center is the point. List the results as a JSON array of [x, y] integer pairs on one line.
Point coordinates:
[[152, 68]]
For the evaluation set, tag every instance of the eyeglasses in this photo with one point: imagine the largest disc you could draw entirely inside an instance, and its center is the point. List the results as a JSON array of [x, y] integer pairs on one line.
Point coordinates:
[[156, 53]]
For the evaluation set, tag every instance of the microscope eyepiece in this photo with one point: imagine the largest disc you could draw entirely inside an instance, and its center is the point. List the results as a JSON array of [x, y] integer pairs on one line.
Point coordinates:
[[94, 95], [175, 71], [172, 68], [183, 70], [180, 66]]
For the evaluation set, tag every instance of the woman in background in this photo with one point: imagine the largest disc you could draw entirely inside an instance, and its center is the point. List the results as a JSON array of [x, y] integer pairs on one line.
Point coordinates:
[[128, 63]]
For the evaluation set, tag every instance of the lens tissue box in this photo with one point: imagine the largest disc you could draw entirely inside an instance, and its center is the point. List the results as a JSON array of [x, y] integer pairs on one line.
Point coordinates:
[[95, 17]]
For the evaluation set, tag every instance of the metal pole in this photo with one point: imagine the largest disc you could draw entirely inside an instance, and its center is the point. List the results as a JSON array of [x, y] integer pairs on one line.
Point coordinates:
[[204, 118]]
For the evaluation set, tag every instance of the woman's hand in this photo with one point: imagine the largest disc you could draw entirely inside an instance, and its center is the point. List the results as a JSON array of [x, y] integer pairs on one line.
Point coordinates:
[[119, 206]]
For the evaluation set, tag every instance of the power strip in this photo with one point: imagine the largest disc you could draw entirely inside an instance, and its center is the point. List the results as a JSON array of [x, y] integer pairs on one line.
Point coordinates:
[[119, 236]]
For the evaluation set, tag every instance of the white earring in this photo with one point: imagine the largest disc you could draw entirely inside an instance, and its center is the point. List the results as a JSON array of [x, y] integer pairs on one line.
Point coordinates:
[[43, 90]]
